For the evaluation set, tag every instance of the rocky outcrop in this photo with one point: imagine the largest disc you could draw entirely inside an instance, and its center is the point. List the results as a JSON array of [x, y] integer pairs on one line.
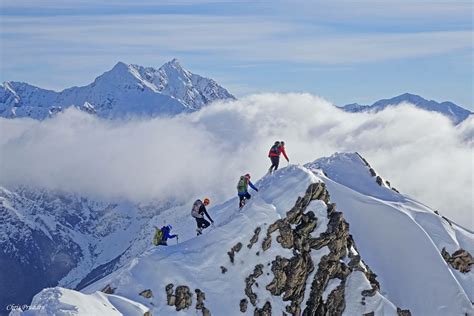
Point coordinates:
[[200, 298], [243, 305], [108, 289], [249, 282], [182, 298], [254, 239], [236, 248], [460, 260], [290, 275], [403, 312], [146, 293], [378, 179], [266, 310], [170, 297]]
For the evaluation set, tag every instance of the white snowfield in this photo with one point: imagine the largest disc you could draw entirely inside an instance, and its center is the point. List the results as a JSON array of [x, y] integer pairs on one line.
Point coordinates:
[[122, 92], [397, 237]]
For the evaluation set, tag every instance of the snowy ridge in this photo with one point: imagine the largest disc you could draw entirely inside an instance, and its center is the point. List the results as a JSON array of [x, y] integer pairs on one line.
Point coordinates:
[[48, 237], [125, 90], [454, 112], [399, 238]]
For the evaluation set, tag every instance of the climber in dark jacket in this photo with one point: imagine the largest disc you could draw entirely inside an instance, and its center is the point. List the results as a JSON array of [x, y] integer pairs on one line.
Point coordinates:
[[198, 211]]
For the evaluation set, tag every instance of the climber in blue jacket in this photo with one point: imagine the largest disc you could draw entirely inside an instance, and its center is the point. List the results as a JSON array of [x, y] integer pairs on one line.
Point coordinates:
[[162, 235]]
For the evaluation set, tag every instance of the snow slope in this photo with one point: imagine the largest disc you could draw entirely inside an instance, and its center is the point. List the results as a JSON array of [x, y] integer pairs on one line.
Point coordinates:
[[401, 239], [125, 90], [455, 113], [397, 237]]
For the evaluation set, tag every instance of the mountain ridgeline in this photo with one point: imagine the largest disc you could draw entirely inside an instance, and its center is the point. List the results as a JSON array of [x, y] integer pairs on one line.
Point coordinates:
[[123, 91], [454, 112], [331, 237]]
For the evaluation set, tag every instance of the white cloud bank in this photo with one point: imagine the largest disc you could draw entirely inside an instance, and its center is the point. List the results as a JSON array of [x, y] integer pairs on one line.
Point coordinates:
[[204, 153]]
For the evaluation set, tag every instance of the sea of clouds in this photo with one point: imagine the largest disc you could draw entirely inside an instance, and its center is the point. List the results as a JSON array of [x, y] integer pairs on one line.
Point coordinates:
[[421, 153]]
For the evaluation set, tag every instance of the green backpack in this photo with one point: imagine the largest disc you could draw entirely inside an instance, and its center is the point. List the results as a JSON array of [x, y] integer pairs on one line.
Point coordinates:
[[242, 185], [157, 237]]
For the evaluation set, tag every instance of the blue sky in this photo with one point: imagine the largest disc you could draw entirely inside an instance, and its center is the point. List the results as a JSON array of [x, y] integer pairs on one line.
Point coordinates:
[[345, 51]]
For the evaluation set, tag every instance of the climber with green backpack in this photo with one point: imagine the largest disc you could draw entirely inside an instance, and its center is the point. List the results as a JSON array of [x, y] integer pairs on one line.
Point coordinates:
[[162, 235], [242, 189]]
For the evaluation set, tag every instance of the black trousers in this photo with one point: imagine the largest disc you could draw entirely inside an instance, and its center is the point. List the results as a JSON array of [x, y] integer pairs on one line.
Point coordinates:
[[202, 223], [275, 162]]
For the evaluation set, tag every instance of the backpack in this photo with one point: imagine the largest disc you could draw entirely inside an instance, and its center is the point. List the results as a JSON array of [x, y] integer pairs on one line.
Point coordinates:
[[158, 236], [275, 150], [195, 209], [242, 185]]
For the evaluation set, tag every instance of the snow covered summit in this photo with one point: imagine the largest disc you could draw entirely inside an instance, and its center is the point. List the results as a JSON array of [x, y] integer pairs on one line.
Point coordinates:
[[455, 113], [125, 90], [328, 238]]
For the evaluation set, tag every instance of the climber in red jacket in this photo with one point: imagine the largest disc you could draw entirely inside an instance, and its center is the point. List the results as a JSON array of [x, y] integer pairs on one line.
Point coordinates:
[[274, 155]]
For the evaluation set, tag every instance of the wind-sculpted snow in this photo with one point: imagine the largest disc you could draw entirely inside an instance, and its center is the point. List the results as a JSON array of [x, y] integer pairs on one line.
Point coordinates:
[[399, 239]]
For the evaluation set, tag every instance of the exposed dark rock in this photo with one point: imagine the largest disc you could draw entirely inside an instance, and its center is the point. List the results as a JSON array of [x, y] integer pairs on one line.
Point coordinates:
[[460, 260], [267, 243], [379, 180], [223, 269], [447, 219], [170, 298], [146, 293], [335, 303], [266, 310], [108, 289], [286, 235], [369, 293], [183, 297], [243, 305], [372, 172], [403, 312], [249, 282], [200, 297], [206, 312], [369, 314], [254, 239], [387, 183], [395, 190], [236, 248]]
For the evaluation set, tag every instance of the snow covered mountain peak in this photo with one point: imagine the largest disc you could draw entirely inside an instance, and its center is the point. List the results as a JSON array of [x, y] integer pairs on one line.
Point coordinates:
[[125, 90], [292, 250], [454, 112]]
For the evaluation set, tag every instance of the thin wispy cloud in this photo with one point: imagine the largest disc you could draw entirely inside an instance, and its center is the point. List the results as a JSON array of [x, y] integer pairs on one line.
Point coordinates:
[[57, 44]]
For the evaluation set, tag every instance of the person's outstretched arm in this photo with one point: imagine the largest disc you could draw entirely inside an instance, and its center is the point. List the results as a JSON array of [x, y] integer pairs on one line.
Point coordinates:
[[282, 149], [252, 186], [203, 209], [168, 236]]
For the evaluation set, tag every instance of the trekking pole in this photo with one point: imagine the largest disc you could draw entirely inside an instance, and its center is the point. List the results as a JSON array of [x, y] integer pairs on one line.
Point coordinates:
[[177, 240]]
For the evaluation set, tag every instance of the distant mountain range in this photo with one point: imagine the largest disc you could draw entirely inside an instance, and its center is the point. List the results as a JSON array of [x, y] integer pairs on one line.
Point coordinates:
[[125, 90], [135, 91], [456, 113]]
